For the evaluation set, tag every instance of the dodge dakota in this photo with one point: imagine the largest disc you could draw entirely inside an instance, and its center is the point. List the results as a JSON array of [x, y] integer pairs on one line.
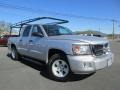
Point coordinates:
[[61, 50]]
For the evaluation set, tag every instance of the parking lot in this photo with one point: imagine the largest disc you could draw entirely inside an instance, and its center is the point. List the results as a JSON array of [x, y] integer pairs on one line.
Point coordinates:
[[26, 75]]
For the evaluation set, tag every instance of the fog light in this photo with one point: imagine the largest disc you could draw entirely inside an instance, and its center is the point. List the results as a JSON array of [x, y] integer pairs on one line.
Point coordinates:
[[87, 64]]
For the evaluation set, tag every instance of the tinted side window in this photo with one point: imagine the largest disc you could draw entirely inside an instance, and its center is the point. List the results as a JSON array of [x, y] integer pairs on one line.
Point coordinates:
[[26, 31]]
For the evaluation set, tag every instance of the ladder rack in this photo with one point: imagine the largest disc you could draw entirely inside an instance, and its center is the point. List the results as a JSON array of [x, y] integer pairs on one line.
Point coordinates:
[[25, 22]]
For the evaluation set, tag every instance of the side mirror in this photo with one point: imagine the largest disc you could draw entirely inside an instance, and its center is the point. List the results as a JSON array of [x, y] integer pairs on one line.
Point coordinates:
[[37, 34]]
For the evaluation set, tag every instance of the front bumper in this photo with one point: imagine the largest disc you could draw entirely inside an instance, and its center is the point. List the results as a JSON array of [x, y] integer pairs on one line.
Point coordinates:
[[87, 64]]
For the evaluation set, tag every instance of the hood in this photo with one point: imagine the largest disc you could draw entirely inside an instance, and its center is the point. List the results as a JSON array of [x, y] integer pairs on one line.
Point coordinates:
[[86, 39]]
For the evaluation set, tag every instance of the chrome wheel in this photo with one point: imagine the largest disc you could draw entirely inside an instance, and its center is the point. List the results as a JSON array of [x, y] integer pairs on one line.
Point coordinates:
[[60, 68], [13, 53]]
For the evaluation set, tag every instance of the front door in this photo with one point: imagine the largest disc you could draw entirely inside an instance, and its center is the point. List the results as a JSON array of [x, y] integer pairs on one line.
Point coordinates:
[[36, 46]]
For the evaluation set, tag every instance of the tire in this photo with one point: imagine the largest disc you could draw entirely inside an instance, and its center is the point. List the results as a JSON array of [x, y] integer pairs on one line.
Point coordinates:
[[14, 54], [59, 68]]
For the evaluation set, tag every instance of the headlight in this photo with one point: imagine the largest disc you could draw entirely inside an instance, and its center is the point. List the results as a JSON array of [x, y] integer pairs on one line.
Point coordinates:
[[107, 47], [81, 49]]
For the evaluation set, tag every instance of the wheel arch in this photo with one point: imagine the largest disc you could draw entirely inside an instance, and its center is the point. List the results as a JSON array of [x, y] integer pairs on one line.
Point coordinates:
[[13, 45], [53, 51]]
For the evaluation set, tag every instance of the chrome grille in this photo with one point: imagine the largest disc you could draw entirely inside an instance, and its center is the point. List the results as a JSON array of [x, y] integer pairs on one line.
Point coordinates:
[[99, 49]]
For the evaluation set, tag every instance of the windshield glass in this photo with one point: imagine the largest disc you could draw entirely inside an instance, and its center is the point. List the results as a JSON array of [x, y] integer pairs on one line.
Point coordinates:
[[54, 30]]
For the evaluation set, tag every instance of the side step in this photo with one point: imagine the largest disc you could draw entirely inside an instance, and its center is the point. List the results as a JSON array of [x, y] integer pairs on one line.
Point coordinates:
[[38, 62]]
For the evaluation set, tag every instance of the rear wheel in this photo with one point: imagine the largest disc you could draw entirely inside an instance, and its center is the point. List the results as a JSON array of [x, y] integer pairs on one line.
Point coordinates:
[[59, 68], [14, 54]]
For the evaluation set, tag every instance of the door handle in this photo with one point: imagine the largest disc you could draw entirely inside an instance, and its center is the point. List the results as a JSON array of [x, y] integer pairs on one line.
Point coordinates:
[[20, 40], [30, 40]]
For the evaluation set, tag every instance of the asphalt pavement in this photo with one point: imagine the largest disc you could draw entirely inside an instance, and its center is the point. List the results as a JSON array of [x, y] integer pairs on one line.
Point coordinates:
[[26, 75]]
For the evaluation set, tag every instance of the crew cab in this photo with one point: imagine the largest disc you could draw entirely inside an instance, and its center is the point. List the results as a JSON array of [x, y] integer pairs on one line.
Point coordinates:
[[61, 50]]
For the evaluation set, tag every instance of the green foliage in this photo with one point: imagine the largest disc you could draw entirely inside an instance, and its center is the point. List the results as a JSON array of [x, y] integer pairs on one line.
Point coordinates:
[[110, 36]]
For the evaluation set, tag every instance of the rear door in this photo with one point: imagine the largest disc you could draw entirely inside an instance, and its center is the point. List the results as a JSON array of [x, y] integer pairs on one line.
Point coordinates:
[[24, 40]]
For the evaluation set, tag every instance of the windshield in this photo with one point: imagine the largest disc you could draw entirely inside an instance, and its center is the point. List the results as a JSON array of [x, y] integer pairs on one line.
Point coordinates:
[[54, 30]]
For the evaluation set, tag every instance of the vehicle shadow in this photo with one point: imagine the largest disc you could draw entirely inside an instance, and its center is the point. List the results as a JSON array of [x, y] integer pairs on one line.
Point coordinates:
[[72, 78], [43, 71]]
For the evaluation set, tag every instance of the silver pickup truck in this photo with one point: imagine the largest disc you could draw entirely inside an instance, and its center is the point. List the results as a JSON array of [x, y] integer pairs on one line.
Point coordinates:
[[60, 50]]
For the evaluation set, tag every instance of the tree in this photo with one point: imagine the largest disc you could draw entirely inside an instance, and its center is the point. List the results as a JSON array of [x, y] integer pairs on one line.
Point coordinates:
[[4, 27]]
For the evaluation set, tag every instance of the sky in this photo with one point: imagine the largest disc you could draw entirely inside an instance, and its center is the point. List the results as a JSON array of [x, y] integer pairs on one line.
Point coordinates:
[[108, 9]]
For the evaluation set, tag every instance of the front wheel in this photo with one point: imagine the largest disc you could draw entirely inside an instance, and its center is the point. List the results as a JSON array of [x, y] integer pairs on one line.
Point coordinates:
[[59, 67]]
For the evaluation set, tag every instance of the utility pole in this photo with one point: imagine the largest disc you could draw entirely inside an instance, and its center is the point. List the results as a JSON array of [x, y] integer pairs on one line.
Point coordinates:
[[113, 33], [119, 27]]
